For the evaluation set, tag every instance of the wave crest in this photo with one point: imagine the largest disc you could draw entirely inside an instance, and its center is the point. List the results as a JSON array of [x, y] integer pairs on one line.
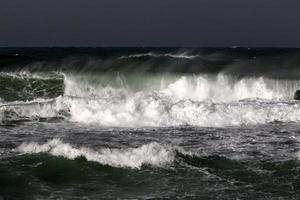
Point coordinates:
[[149, 154]]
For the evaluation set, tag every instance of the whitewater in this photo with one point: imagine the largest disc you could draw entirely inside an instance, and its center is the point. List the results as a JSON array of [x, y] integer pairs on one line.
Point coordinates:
[[198, 100]]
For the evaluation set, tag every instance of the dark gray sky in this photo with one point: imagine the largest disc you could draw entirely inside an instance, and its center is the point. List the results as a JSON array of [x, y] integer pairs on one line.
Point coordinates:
[[261, 23]]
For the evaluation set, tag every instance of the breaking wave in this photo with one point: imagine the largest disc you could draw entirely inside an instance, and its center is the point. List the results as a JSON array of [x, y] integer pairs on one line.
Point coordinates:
[[149, 154], [220, 88], [162, 100]]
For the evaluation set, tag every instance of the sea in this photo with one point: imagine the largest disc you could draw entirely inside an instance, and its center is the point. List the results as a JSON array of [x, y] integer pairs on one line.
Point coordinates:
[[149, 123]]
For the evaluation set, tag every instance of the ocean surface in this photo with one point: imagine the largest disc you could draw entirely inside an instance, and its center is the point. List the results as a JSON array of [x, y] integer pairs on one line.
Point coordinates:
[[149, 123]]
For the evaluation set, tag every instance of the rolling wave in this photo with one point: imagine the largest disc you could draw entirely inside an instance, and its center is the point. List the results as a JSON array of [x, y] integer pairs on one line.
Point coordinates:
[[149, 154]]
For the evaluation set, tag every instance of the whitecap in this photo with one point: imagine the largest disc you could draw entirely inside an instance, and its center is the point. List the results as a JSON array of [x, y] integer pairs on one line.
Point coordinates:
[[152, 153]]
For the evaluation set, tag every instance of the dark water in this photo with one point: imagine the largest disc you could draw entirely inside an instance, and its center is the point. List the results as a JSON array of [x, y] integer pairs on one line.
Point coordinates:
[[149, 123]]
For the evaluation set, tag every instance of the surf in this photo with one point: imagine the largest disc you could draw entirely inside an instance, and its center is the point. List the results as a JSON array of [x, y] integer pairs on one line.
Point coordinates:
[[128, 100]]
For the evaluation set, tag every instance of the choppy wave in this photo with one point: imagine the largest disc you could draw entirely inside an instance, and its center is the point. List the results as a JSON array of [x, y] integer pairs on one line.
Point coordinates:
[[149, 154]]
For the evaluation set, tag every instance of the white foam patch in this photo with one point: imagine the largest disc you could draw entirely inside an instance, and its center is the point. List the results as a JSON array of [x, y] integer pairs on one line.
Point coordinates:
[[149, 154]]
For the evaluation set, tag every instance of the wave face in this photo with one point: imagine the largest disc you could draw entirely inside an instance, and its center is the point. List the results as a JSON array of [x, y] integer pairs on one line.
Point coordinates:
[[25, 86]]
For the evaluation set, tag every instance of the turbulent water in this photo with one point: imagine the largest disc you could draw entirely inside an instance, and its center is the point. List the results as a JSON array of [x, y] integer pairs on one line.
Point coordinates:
[[149, 123]]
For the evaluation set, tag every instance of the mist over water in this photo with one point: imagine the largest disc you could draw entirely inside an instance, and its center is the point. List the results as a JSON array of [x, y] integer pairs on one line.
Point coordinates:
[[109, 123]]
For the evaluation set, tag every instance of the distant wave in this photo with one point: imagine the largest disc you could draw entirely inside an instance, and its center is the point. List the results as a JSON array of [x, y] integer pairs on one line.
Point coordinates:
[[241, 62], [155, 55]]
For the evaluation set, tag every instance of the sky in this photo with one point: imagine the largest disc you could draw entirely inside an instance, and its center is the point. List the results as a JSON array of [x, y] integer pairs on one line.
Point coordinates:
[[184, 23]]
